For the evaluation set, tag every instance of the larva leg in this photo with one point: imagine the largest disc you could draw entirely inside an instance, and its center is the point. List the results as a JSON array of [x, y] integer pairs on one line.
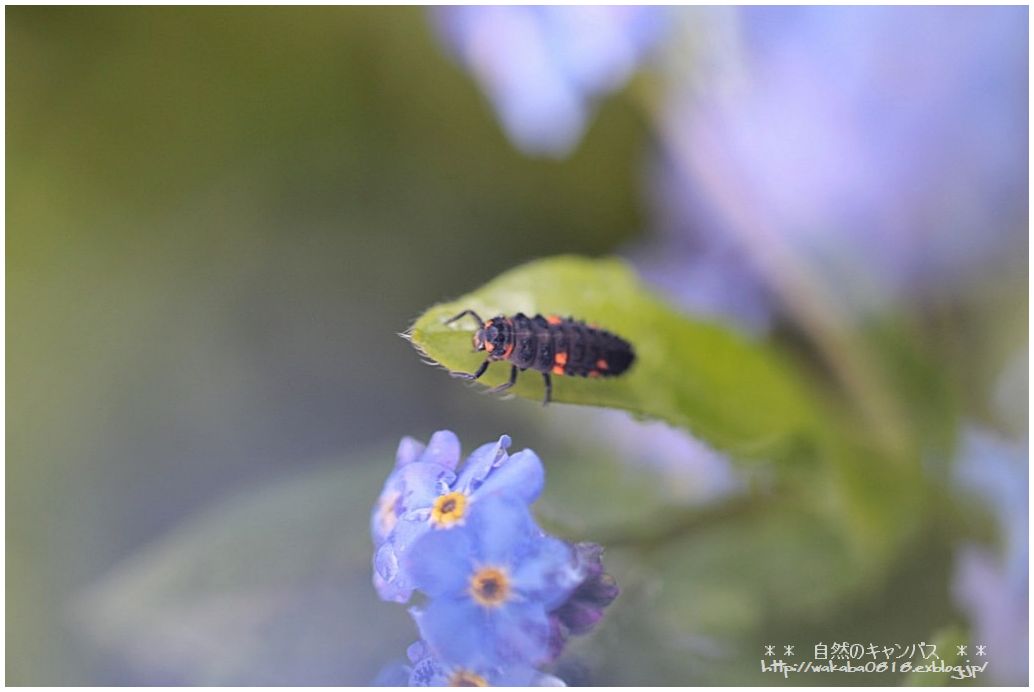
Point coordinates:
[[507, 385], [477, 373], [473, 314]]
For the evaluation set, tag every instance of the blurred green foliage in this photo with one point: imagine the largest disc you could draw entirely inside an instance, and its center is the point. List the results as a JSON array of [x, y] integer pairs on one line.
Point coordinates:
[[266, 588]]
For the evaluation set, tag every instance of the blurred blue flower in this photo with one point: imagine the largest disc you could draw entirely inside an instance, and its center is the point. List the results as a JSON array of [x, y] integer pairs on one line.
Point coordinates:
[[543, 67], [693, 260], [686, 471], [426, 491], [860, 155], [491, 585], [991, 586], [428, 671]]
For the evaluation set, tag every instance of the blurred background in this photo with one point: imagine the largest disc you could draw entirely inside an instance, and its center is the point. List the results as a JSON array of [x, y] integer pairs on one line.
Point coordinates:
[[219, 220]]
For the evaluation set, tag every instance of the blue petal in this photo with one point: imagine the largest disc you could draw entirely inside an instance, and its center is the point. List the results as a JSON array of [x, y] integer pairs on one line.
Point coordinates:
[[379, 530], [522, 474], [440, 562], [380, 524], [480, 464], [391, 592], [549, 574], [523, 676], [385, 563], [417, 650], [457, 630], [408, 531], [414, 485], [390, 582], [443, 448], [541, 680], [421, 483], [502, 530], [409, 451], [520, 632]]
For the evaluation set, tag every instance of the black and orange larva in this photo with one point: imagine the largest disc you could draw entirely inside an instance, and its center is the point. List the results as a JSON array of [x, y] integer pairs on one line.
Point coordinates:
[[550, 345]]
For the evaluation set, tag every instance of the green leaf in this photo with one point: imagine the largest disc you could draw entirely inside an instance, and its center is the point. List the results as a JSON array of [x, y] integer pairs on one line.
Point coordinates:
[[737, 394]]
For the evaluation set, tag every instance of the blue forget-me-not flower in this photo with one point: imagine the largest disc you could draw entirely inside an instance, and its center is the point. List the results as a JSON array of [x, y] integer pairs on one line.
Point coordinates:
[[499, 596], [427, 491], [491, 586]]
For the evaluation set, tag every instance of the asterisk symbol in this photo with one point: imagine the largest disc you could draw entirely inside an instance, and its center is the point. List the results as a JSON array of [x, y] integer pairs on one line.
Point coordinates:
[[980, 650], [961, 649], [788, 650], [769, 650]]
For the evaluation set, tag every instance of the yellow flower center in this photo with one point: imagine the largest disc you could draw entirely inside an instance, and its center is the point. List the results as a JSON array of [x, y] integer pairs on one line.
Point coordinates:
[[449, 510], [386, 512], [490, 587], [465, 678]]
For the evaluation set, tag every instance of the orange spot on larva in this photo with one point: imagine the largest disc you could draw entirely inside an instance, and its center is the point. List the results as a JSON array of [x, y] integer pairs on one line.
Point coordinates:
[[601, 364], [561, 358], [558, 369], [553, 319], [593, 373]]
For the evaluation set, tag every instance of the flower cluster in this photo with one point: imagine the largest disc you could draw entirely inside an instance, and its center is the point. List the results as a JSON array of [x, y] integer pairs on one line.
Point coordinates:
[[499, 595]]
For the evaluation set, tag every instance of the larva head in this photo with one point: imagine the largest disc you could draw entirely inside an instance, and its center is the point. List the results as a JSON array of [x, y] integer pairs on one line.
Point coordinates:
[[490, 338]]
